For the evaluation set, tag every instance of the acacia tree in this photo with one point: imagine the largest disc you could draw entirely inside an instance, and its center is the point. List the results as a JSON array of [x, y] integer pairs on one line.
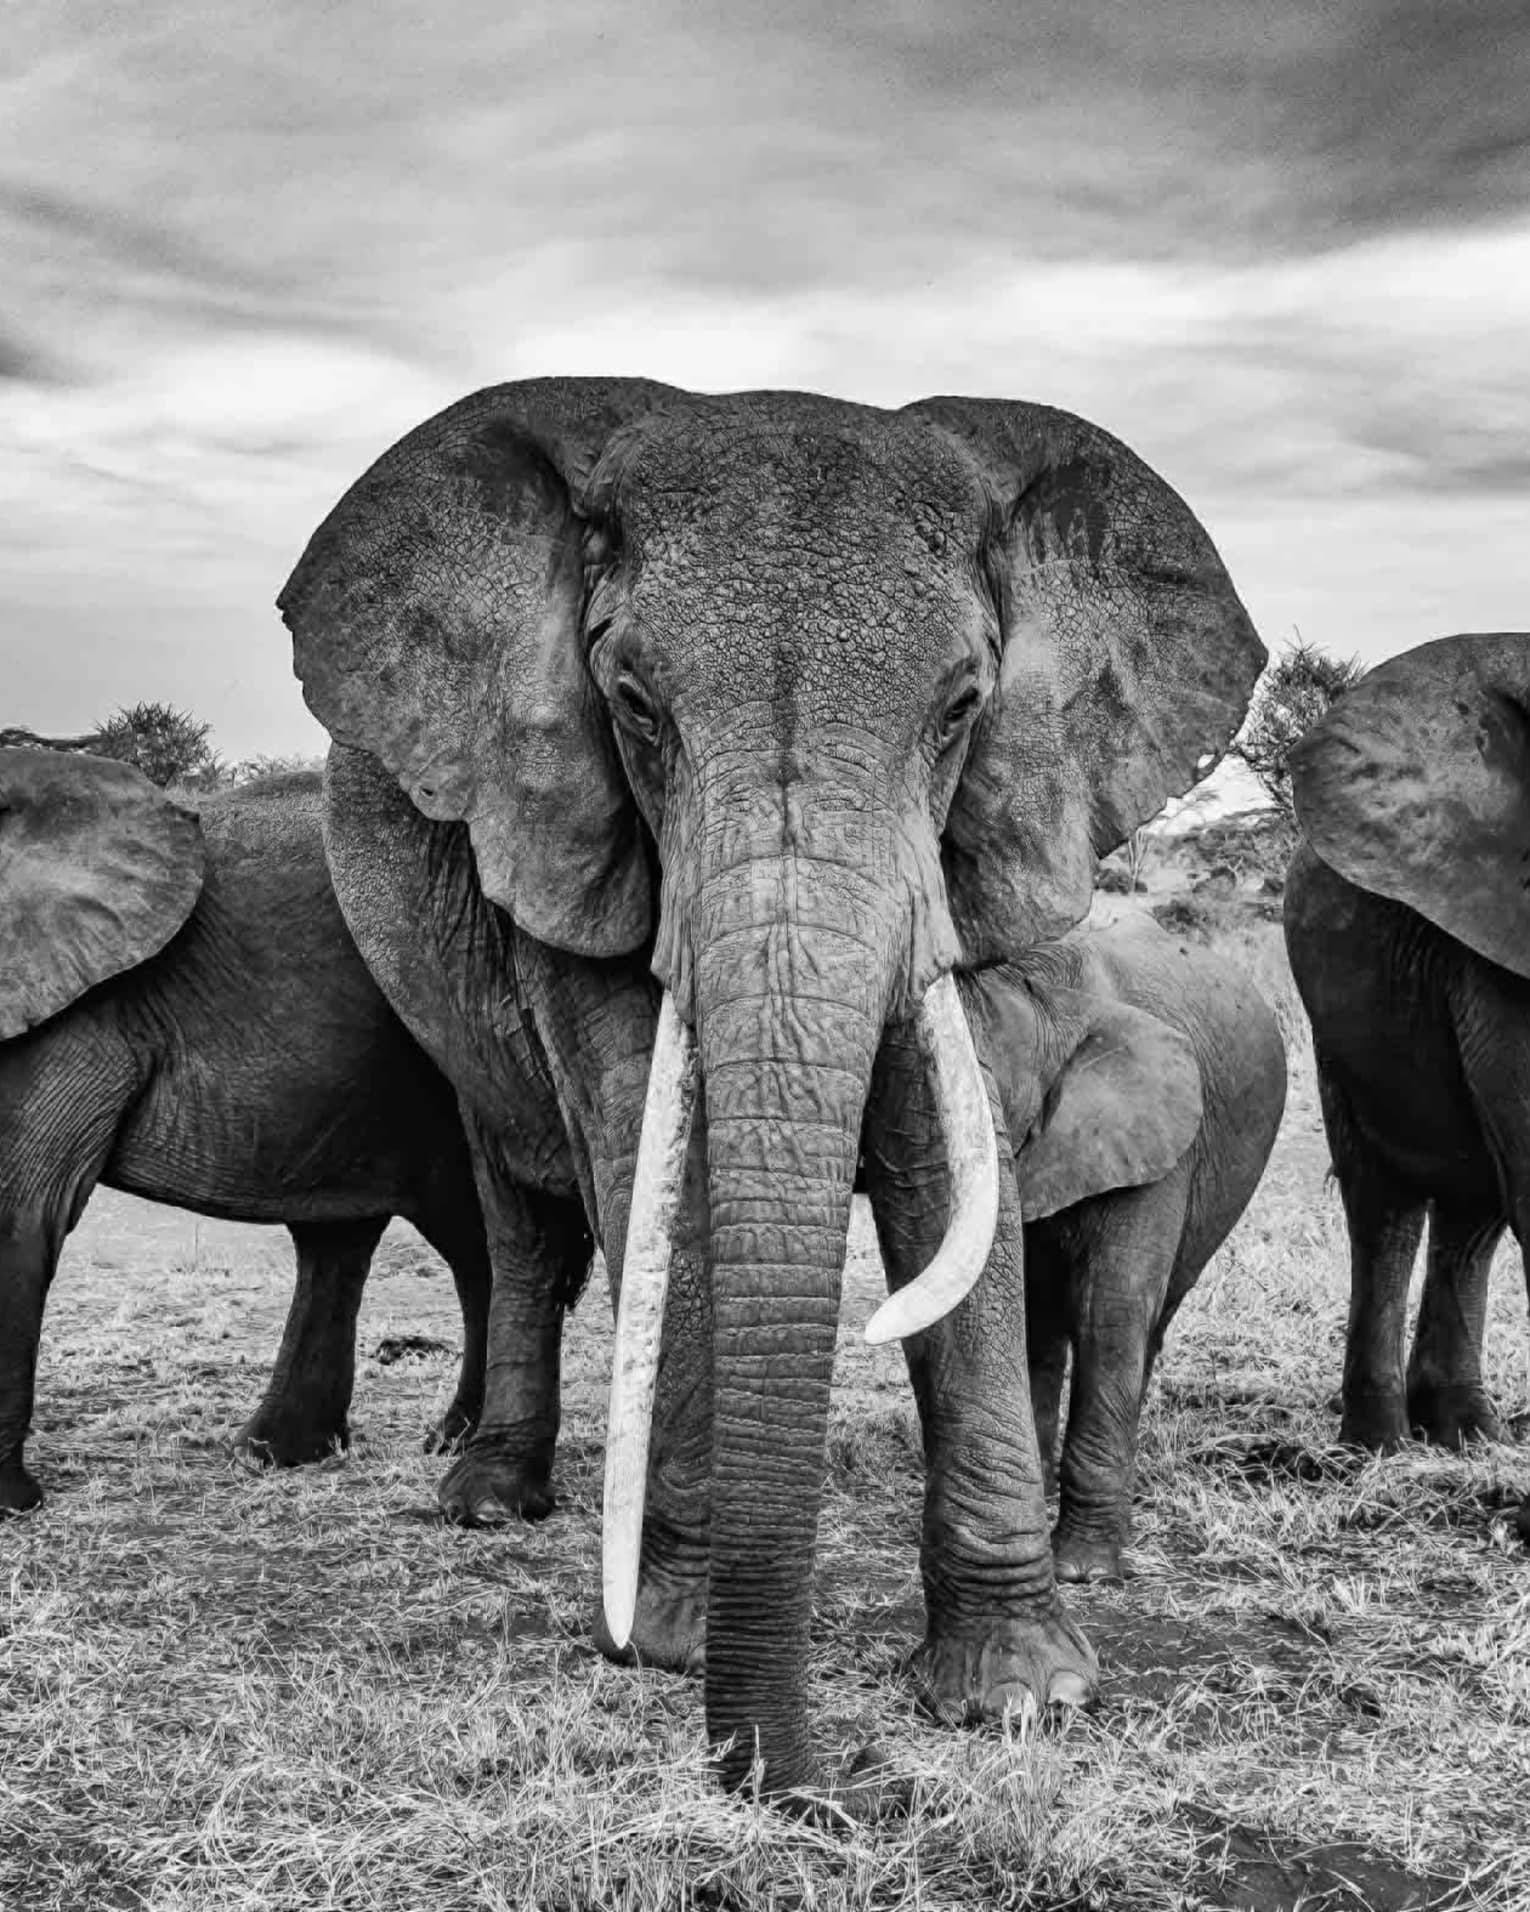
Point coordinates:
[[167, 745], [1289, 698]]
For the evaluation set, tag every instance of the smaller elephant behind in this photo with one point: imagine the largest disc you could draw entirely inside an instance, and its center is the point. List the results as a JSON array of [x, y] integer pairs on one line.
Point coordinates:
[[1144, 1082], [1407, 916], [184, 1016]]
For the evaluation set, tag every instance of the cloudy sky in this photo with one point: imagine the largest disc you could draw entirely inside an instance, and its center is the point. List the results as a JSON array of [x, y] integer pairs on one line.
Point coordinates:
[[1281, 246]]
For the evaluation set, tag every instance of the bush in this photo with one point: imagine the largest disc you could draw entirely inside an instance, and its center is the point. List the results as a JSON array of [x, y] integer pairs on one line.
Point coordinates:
[[167, 745], [1290, 697]]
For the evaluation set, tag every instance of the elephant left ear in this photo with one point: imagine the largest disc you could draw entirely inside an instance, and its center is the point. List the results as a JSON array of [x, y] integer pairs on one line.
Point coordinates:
[[98, 870], [1121, 1112], [1127, 667]]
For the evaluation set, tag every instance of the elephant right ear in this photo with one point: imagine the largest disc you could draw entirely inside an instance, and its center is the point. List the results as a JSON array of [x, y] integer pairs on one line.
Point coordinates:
[[1415, 785], [1127, 667], [98, 870], [436, 623]]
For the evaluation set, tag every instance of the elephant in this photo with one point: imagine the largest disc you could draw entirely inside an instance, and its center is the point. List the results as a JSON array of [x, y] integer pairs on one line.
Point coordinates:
[[183, 1016], [710, 736], [1408, 930], [1144, 1081]]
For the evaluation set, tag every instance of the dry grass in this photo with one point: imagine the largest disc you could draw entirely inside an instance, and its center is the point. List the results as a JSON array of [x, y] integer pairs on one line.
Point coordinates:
[[223, 1691]]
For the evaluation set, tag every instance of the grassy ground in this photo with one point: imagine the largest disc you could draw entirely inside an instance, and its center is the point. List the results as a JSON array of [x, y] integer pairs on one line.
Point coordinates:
[[226, 1691]]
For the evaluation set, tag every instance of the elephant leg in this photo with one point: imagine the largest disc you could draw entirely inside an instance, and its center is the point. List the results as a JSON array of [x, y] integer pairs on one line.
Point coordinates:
[[1447, 1401], [303, 1414], [1120, 1250], [540, 1249], [1047, 1342], [63, 1093], [1385, 1217], [29, 1251], [458, 1238], [996, 1629]]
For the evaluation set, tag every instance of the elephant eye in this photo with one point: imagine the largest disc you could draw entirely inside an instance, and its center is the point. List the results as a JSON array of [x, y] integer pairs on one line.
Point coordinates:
[[960, 712], [634, 708]]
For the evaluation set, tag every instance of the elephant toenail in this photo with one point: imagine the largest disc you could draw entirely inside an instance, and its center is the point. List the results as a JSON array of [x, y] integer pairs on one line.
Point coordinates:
[[1068, 1689]]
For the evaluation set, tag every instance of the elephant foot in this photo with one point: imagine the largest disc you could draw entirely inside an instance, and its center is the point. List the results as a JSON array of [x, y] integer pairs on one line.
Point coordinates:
[[1452, 1414], [985, 1669], [1083, 1557], [19, 1492], [485, 1488], [451, 1434], [1375, 1418], [669, 1628], [270, 1438]]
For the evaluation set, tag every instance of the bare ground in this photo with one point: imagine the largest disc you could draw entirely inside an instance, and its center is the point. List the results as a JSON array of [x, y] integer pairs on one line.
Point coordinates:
[[227, 1690]]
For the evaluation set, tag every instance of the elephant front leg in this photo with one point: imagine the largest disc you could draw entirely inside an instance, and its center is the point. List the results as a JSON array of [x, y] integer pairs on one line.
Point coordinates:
[[1118, 1251], [1447, 1401], [997, 1635], [540, 1247], [303, 1415], [29, 1249]]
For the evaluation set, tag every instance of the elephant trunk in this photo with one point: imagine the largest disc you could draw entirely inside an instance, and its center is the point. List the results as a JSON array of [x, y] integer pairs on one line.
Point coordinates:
[[793, 979], [792, 963]]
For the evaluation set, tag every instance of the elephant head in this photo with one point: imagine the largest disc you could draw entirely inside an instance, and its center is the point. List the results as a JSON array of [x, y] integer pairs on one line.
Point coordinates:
[[98, 870], [825, 701], [1416, 786]]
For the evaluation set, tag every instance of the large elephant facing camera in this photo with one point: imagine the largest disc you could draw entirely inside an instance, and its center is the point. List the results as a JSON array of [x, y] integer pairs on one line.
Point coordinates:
[[786, 708], [1407, 916]]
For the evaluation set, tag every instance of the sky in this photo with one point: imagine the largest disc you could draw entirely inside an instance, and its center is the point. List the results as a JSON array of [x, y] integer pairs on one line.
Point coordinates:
[[1281, 247]]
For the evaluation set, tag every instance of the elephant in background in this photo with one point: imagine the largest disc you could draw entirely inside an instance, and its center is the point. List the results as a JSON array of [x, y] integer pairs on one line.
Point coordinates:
[[1143, 1084], [732, 727], [1407, 919], [183, 1016]]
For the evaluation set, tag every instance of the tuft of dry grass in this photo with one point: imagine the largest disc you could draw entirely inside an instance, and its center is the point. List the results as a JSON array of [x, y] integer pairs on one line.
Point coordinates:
[[220, 1690]]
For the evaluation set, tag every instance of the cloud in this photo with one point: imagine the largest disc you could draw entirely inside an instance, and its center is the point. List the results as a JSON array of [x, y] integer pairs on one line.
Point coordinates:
[[1284, 251]]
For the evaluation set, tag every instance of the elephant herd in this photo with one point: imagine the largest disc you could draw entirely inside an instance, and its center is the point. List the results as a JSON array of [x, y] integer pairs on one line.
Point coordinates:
[[712, 811]]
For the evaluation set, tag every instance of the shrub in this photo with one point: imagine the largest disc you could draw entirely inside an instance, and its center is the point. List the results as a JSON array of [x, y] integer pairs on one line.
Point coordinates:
[[167, 745], [1289, 698]]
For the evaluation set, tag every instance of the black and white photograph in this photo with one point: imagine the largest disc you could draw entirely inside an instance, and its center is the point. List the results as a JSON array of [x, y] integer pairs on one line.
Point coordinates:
[[765, 956]]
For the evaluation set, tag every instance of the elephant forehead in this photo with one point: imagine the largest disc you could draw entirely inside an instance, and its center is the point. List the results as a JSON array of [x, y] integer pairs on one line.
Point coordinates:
[[770, 464]]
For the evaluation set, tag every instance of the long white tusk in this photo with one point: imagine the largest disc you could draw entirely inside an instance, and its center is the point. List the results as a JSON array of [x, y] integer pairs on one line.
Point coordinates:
[[658, 1181], [972, 1162]]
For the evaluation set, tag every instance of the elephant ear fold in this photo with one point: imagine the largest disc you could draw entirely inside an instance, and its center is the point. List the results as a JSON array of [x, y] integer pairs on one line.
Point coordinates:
[[1416, 786], [98, 870], [436, 618], [1120, 1113], [1128, 664]]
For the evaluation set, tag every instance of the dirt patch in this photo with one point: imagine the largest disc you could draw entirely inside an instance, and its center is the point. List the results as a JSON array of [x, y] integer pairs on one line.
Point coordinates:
[[1244, 1870], [1152, 1657]]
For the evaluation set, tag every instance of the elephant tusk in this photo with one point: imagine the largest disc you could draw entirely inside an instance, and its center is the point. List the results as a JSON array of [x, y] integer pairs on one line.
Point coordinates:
[[972, 1160], [657, 1185]]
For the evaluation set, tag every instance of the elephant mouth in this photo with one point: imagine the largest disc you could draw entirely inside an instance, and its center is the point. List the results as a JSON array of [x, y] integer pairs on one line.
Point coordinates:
[[972, 1163]]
